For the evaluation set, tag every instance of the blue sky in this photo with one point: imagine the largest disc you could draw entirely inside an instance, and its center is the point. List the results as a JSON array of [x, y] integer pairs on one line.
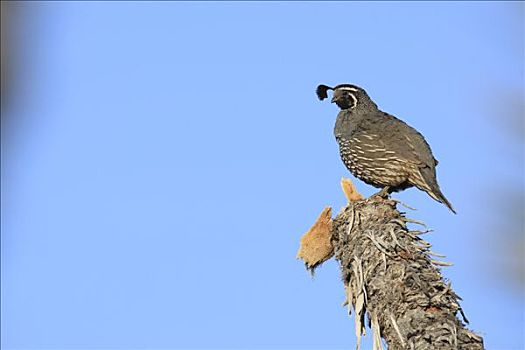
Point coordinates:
[[167, 157]]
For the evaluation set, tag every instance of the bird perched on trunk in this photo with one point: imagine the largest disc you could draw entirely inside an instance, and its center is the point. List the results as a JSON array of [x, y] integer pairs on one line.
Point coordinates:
[[380, 149]]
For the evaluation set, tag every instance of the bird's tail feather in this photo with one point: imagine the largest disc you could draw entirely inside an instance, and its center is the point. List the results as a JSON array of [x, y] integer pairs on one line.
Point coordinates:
[[432, 187]]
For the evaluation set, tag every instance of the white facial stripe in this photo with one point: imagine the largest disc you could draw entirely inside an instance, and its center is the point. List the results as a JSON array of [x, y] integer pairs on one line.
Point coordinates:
[[355, 100], [347, 88]]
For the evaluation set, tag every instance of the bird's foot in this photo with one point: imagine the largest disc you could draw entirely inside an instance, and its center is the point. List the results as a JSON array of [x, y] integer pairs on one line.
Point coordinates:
[[384, 193]]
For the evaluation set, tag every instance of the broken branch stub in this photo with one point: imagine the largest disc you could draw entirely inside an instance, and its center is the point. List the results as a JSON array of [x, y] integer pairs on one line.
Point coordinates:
[[316, 246]]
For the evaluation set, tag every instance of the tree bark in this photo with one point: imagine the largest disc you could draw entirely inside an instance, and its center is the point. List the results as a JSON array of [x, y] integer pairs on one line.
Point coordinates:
[[390, 276]]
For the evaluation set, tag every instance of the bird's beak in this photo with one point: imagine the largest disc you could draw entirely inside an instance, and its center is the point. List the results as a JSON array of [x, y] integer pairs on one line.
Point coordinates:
[[333, 100]]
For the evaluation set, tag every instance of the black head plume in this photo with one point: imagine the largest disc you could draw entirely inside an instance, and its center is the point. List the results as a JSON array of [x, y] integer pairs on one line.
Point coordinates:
[[322, 91]]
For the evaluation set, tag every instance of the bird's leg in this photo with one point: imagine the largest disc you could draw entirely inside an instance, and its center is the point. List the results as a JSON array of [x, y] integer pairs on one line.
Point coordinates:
[[384, 193]]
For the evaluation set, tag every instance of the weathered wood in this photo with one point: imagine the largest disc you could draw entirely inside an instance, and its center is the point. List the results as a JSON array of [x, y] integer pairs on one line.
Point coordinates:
[[390, 277]]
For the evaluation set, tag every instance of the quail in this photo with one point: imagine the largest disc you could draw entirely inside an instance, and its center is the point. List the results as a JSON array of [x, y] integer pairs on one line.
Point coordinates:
[[380, 149]]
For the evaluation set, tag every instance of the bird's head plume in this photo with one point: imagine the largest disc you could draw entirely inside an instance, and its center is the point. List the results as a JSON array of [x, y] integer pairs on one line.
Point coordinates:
[[322, 91]]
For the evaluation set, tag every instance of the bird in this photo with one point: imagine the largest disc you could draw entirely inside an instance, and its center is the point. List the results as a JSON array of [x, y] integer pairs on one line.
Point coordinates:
[[380, 149]]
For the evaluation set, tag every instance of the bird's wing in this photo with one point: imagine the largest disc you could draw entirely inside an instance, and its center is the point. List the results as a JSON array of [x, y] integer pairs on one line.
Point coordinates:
[[399, 140]]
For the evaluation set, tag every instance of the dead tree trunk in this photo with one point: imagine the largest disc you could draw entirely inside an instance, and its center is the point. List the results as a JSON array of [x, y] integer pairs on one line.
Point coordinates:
[[390, 276]]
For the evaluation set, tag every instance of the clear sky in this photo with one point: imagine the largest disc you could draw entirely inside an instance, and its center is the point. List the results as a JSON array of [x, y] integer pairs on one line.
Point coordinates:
[[167, 157]]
